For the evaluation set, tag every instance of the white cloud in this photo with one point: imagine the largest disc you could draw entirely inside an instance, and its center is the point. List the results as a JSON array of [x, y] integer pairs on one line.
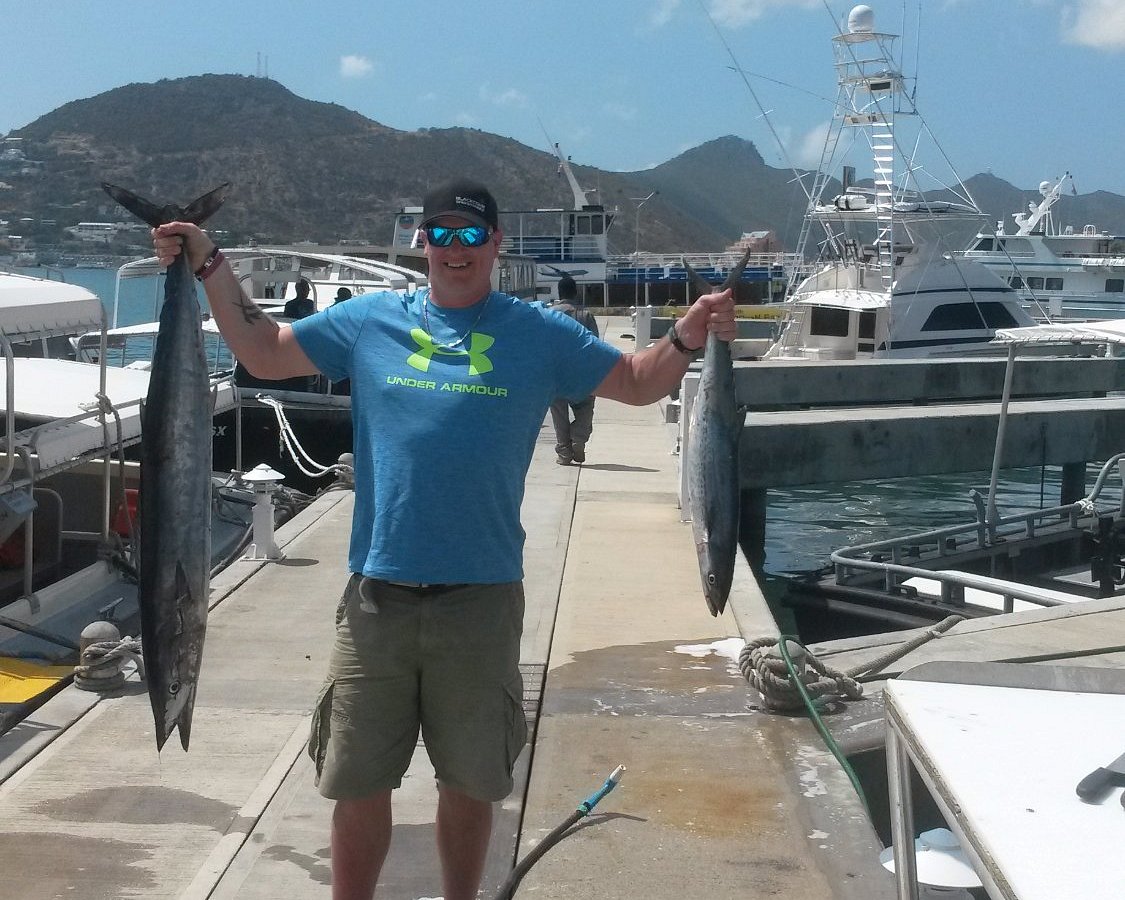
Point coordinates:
[[353, 66], [662, 12], [1095, 23], [733, 13], [510, 97], [622, 111], [807, 151]]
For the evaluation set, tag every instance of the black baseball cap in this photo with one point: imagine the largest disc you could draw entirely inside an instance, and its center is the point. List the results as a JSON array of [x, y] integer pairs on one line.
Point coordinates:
[[461, 197]]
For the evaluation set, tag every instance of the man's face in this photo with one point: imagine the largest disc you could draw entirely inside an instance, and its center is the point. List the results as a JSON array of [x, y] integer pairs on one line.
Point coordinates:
[[460, 275]]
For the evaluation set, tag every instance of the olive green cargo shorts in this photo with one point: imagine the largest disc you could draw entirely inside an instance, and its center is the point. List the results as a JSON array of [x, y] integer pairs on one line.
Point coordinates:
[[442, 659]]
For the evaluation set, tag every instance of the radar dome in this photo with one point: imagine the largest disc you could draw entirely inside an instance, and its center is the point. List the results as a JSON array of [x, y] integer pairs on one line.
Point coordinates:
[[861, 19], [1045, 187]]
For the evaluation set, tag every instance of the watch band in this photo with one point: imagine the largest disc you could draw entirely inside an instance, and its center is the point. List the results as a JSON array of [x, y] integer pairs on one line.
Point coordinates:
[[674, 337]]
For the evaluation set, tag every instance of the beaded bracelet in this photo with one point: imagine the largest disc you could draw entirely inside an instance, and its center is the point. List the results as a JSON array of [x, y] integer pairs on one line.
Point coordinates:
[[214, 258]]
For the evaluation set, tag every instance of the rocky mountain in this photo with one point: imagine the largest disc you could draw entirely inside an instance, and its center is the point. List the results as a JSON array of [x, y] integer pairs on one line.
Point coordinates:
[[305, 170]]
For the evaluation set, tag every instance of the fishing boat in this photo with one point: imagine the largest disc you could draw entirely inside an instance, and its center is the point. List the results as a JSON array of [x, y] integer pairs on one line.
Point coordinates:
[[1059, 273], [68, 495], [888, 286]]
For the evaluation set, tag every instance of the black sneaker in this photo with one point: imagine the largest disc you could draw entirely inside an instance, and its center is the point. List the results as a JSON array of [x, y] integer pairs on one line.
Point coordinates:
[[579, 451], [563, 460]]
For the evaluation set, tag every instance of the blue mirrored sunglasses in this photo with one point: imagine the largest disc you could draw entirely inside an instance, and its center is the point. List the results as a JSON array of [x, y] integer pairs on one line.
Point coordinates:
[[469, 235]]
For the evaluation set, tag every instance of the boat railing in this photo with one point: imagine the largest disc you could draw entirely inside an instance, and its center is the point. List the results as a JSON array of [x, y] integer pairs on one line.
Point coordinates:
[[891, 557], [555, 247]]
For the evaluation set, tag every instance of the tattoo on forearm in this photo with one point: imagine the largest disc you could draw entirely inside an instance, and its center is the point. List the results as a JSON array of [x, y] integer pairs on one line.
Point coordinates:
[[251, 312]]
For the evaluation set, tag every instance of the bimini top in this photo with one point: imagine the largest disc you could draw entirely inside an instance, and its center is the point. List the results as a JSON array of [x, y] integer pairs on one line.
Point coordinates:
[[42, 307], [1110, 331], [843, 298]]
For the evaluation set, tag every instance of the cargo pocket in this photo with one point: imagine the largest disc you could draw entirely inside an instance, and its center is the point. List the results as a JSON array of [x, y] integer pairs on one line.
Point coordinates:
[[517, 721], [321, 728]]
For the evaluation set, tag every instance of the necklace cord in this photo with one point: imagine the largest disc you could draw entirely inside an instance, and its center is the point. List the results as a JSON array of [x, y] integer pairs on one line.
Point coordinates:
[[457, 343]]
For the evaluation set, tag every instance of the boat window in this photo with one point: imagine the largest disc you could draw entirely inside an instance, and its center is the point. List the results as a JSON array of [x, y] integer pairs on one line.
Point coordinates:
[[867, 325], [829, 322], [1015, 281], [1054, 284], [983, 244], [583, 224], [1034, 283], [1114, 285], [1016, 246], [954, 317], [997, 315]]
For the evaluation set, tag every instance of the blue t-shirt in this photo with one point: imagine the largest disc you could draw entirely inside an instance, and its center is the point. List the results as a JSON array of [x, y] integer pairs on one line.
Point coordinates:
[[445, 426]]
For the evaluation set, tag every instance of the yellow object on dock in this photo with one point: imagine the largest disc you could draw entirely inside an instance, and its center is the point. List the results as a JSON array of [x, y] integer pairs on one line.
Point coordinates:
[[21, 680]]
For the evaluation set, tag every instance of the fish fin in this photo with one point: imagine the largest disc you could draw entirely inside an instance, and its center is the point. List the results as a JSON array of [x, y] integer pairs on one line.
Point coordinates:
[[202, 208], [143, 209]]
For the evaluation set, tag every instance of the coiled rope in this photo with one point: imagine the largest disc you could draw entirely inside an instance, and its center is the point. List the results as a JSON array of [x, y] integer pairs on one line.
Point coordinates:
[[99, 665], [778, 693], [769, 675]]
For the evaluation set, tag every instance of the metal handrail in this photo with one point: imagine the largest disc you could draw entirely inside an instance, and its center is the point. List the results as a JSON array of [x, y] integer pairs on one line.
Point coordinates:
[[849, 560]]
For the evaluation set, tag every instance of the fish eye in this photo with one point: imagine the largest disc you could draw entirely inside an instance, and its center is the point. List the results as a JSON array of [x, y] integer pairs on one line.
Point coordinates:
[[174, 687], [711, 578]]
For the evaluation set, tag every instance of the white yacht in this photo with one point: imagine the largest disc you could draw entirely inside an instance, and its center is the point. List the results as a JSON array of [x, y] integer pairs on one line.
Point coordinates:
[[887, 285], [1060, 273]]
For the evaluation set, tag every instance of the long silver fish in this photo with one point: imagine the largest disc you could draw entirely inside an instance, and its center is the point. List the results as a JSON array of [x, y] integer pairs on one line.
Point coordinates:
[[712, 455], [175, 491]]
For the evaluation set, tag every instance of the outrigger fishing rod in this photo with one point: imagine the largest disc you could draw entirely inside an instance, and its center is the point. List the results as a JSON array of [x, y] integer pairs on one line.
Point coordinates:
[[508, 888]]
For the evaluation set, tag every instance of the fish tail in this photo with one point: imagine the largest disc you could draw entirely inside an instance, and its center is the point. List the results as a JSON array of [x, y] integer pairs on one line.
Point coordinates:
[[143, 209], [198, 211], [702, 286], [202, 208]]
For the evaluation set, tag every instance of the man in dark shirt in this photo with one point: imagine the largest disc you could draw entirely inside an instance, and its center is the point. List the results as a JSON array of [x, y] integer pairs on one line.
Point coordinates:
[[302, 305], [571, 435]]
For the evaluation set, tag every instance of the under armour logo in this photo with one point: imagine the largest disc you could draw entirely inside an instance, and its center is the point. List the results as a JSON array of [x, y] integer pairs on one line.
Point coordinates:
[[479, 362]]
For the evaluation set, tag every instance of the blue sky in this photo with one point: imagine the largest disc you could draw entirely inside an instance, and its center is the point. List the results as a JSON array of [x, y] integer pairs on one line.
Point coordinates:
[[1025, 89]]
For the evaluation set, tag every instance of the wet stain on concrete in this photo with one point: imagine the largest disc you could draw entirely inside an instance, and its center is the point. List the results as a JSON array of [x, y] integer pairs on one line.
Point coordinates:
[[139, 805], [678, 791], [318, 865], [646, 679], [45, 866]]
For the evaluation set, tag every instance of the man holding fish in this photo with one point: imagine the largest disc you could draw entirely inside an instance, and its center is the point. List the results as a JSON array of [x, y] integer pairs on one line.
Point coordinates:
[[450, 386]]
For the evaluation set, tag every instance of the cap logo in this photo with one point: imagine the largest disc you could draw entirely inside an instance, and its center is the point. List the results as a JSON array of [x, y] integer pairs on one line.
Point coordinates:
[[470, 202]]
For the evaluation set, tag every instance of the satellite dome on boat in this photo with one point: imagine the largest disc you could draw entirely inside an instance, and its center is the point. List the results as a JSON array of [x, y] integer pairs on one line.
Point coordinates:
[[861, 19], [1045, 187]]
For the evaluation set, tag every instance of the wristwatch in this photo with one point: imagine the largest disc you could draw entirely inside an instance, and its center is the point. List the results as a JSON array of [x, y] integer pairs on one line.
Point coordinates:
[[674, 337]]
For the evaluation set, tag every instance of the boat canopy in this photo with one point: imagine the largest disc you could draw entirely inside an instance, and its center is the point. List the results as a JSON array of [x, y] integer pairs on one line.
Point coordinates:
[[844, 298], [62, 395], [41, 307], [1110, 331]]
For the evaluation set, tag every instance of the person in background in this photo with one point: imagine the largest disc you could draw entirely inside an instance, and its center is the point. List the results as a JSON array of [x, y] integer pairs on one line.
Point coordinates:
[[342, 294], [571, 434], [452, 384], [302, 305]]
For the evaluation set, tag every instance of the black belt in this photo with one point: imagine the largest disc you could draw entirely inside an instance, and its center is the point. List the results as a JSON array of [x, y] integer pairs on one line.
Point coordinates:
[[417, 588]]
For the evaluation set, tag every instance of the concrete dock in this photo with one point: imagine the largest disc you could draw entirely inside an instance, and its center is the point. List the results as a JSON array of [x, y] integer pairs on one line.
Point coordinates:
[[623, 665]]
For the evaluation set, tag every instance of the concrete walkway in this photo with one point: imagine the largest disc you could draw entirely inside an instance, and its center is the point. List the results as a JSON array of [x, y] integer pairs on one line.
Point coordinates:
[[718, 800]]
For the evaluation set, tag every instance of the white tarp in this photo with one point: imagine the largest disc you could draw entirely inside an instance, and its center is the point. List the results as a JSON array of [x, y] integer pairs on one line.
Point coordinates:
[[1111, 331], [59, 390], [40, 306]]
